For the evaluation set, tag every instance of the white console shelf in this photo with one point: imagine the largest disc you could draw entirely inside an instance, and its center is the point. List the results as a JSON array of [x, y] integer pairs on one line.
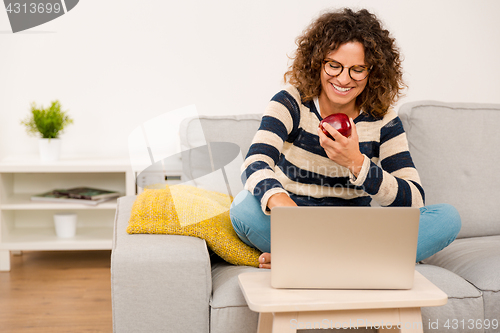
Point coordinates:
[[28, 225]]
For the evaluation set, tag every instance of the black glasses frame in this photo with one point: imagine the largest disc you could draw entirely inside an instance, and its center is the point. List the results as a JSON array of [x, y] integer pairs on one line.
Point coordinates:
[[325, 61]]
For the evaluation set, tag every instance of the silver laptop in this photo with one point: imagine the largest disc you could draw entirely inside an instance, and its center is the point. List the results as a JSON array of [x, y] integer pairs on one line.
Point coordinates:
[[343, 247]]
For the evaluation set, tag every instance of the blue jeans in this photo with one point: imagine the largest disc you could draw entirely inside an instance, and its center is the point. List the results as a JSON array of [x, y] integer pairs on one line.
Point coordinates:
[[438, 227]]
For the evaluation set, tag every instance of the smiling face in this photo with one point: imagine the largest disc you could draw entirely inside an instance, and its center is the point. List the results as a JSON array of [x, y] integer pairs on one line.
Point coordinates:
[[338, 94]]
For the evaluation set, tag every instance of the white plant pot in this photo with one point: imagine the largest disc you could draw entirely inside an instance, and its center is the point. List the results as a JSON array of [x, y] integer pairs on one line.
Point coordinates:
[[50, 149], [65, 224]]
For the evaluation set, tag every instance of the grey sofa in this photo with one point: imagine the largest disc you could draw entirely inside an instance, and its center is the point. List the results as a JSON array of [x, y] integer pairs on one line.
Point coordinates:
[[165, 283]]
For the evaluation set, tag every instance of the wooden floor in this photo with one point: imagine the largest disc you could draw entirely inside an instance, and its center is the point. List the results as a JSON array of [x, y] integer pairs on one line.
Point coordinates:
[[68, 291]]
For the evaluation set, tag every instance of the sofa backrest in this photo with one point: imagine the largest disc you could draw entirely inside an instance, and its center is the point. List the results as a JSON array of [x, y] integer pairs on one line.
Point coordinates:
[[455, 149], [203, 130]]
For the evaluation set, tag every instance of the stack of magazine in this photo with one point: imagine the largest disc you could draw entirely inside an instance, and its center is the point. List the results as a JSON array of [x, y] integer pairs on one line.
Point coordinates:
[[83, 195]]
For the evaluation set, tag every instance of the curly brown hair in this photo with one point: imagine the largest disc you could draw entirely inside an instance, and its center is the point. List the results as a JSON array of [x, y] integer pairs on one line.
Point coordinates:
[[334, 29]]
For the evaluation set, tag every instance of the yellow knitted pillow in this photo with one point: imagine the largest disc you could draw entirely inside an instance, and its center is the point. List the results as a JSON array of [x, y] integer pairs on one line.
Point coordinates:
[[191, 211]]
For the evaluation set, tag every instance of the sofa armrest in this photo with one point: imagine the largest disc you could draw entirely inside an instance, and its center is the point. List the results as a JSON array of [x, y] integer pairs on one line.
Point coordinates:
[[158, 282]]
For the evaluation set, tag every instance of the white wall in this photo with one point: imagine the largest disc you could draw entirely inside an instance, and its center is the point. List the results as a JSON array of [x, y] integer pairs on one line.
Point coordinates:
[[115, 64]]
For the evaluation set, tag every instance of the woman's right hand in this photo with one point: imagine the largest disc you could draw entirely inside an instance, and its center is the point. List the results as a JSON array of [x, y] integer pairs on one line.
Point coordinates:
[[280, 199]]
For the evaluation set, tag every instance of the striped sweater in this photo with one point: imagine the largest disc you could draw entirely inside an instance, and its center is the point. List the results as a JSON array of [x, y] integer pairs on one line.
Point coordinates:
[[285, 156]]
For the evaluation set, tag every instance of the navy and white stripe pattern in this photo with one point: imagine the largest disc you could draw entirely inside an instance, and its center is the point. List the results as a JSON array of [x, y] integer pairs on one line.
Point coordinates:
[[285, 156]]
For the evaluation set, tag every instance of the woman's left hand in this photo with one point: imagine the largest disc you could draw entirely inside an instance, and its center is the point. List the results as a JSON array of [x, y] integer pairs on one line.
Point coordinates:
[[343, 151]]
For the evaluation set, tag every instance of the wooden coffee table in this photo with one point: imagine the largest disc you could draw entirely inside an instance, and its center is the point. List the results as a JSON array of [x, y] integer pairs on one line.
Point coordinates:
[[287, 310]]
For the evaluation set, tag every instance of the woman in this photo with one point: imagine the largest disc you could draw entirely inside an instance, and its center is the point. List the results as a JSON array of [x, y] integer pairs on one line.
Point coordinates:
[[345, 62]]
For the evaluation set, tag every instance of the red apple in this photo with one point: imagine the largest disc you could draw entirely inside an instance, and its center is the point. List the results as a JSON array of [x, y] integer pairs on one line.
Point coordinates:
[[339, 121]]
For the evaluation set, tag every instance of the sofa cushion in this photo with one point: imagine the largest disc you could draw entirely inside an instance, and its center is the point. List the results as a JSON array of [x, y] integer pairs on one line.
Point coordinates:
[[191, 211], [198, 132], [228, 305], [464, 302], [228, 309], [225, 288], [477, 260], [453, 145]]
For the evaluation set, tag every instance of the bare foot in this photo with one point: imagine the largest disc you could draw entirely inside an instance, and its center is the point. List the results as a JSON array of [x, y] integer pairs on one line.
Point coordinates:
[[265, 260]]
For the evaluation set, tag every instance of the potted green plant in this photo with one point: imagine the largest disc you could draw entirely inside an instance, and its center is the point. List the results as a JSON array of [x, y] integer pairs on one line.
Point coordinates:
[[48, 124]]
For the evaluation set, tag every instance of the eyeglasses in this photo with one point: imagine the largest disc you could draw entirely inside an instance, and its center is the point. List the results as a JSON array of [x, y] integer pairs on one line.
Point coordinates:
[[356, 72]]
